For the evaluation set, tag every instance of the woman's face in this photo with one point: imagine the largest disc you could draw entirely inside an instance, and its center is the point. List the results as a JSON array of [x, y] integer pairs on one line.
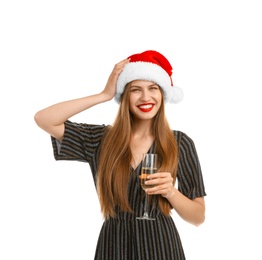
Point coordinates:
[[145, 99]]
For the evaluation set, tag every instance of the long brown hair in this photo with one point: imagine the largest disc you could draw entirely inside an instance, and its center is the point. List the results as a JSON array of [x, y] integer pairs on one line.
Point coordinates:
[[115, 158]]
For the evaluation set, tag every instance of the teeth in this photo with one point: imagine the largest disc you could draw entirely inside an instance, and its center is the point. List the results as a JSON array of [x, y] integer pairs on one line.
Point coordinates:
[[146, 106]]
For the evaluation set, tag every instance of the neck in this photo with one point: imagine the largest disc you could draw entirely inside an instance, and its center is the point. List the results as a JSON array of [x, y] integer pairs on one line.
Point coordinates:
[[142, 128]]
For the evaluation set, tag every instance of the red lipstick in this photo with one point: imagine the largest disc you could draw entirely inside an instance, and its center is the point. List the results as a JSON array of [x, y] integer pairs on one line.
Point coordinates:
[[146, 107]]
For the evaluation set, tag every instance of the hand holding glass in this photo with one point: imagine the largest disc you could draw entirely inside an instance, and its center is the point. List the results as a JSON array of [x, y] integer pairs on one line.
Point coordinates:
[[149, 166]]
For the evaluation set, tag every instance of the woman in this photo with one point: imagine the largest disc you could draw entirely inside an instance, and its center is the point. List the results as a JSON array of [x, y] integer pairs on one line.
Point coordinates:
[[142, 85]]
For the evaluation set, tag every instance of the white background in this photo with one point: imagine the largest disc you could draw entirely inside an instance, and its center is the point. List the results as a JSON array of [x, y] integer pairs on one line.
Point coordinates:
[[51, 51]]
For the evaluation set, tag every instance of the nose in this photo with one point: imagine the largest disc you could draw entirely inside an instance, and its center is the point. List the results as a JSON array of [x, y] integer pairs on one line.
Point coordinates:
[[144, 95]]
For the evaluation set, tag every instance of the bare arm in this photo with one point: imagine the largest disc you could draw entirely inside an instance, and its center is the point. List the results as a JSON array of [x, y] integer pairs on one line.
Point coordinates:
[[52, 118], [192, 211]]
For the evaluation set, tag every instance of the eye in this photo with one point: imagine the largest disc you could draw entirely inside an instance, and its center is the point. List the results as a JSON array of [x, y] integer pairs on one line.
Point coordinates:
[[135, 90], [154, 88]]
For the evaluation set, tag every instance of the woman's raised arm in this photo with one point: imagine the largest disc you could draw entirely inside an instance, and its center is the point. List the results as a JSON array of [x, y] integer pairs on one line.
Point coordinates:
[[52, 118]]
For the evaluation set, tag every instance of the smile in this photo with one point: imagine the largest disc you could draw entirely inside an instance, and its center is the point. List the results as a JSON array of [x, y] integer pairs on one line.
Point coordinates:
[[146, 107]]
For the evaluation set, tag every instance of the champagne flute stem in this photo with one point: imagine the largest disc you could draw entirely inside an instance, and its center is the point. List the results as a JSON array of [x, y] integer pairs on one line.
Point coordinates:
[[146, 208]]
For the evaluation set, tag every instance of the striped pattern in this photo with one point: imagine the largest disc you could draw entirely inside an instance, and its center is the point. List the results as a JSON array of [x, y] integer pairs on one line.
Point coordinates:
[[125, 237]]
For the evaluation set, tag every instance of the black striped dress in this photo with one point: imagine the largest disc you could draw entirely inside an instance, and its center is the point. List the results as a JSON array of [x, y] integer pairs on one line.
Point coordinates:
[[125, 237]]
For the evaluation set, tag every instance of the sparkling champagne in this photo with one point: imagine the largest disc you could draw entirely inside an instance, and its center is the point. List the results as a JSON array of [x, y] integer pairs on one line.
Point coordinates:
[[143, 177]]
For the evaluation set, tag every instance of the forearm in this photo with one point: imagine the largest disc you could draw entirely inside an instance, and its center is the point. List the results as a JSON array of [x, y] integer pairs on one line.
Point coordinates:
[[60, 112], [192, 211], [52, 118]]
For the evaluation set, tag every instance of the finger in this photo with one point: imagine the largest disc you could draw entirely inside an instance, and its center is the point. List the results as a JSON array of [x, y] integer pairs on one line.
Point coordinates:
[[155, 175], [160, 175], [157, 190], [121, 64], [160, 181]]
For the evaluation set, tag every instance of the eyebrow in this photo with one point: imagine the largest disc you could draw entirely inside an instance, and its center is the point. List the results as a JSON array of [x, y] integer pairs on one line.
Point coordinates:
[[135, 86]]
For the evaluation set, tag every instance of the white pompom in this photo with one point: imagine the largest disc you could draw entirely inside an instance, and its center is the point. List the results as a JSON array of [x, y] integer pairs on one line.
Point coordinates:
[[176, 95]]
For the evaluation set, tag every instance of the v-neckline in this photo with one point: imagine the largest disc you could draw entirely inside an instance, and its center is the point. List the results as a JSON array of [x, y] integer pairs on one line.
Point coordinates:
[[150, 150]]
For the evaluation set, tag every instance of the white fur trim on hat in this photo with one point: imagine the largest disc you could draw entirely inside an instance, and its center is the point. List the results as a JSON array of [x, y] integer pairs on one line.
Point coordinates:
[[151, 72]]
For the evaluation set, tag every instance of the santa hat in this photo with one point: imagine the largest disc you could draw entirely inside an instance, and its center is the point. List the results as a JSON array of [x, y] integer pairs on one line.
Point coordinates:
[[151, 66]]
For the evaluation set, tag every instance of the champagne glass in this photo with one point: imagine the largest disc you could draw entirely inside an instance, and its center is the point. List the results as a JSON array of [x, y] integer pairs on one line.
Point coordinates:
[[149, 166]]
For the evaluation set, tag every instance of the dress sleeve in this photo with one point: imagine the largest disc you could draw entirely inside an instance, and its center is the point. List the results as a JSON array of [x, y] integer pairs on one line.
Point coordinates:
[[189, 175], [81, 142]]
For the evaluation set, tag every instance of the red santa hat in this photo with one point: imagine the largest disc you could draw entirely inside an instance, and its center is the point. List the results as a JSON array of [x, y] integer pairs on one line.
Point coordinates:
[[151, 66]]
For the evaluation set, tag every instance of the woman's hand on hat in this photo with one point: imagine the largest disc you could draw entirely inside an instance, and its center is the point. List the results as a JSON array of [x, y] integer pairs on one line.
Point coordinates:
[[110, 88]]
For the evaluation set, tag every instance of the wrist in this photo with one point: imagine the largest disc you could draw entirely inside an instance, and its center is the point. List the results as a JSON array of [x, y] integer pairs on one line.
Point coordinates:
[[106, 96], [171, 193]]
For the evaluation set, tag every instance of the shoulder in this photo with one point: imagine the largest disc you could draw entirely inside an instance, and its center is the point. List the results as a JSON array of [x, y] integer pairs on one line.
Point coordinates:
[[85, 130], [183, 139], [179, 135], [85, 127]]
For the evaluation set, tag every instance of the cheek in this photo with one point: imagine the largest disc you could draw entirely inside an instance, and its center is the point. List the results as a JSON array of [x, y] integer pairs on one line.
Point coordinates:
[[158, 97], [133, 98], [131, 103]]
